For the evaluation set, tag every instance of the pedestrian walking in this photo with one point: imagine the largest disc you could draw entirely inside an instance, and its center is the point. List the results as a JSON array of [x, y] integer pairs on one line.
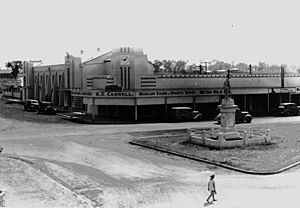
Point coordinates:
[[211, 188]]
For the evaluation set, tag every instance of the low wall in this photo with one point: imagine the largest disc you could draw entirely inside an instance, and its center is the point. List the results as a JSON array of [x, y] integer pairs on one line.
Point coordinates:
[[216, 138]]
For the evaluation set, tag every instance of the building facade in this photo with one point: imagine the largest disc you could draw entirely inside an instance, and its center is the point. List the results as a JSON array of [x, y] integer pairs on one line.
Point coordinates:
[[9, 86], [140, 94]]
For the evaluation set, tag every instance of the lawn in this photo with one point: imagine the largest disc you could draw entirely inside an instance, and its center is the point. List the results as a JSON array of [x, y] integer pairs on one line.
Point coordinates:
[[282, 152]]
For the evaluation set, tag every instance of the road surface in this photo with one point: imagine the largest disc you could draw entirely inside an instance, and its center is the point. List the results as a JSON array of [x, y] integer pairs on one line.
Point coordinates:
[[73, 165]]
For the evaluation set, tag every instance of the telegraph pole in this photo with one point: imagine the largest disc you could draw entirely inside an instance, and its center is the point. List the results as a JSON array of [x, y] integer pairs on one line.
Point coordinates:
[[250, 68], [200, 68], [282, 75]]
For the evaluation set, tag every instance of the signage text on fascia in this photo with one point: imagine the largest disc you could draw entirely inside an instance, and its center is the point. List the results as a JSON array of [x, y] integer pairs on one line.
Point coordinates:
[[113, 94], [81, 93], [179, 92], [282, 90], [149, 93]]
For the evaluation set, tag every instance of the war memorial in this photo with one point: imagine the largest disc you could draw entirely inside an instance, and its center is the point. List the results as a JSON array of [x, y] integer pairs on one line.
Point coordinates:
[[228, 135]]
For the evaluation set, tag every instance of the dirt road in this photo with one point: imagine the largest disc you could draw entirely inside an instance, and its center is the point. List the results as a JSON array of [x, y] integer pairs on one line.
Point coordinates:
[[71, 165]]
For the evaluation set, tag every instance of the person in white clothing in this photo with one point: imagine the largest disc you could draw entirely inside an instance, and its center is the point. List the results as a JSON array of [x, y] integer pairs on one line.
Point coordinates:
[[211, 188]]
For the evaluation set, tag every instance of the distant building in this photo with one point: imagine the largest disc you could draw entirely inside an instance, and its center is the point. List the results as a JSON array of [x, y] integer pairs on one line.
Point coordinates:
[[9, 84], [121, 84]]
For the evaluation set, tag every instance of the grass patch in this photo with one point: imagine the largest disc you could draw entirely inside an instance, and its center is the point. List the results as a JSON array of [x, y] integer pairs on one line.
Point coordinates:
[[283, 151]]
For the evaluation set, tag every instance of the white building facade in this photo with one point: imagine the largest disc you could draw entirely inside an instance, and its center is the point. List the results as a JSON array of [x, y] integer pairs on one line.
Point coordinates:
[[141, 95]]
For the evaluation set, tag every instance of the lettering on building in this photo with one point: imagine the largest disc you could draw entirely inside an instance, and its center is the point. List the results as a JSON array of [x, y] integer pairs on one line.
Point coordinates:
[[282, 90], [113, 94], [159, 93]]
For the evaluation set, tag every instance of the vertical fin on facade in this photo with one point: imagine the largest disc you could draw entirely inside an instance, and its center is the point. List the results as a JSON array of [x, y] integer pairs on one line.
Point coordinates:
[[128, 69], [125, 49]]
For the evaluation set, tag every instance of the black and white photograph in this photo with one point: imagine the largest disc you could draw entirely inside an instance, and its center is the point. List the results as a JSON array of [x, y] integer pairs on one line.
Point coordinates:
[[149, 104]]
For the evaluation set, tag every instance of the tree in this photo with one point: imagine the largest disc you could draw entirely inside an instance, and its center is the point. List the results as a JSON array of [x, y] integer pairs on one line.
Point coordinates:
[[262, 66], [167, 65], [180, 66], [219, 65], [193, 68], [157, 64], [274, 68], [15, 66], [243, 67]]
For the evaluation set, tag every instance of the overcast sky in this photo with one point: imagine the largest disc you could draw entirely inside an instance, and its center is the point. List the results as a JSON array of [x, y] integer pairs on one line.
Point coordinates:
[[193, 30]]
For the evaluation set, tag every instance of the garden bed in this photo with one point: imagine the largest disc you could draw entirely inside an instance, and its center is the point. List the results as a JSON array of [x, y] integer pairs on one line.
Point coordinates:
[[284, 150]]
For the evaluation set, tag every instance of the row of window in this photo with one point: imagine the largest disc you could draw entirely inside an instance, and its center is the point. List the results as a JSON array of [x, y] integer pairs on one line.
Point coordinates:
[[46, 83]]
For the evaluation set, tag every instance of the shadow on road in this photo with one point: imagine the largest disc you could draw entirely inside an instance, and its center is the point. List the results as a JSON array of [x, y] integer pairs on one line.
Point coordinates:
[[208, 203]]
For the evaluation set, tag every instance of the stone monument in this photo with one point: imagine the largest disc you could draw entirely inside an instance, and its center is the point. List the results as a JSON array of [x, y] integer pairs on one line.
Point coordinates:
[[228, 136], [227, 108]]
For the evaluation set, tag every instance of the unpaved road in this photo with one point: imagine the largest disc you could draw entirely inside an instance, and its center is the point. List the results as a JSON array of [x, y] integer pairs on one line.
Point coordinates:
[[71, 165]]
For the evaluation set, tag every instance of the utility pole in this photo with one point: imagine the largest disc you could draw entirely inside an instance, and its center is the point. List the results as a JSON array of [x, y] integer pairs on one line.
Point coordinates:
[[282, 75], [250, 68], [200, 68]]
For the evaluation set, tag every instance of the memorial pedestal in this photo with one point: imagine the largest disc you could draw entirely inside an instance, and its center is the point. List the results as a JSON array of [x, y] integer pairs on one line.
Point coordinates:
[[227, 136], [227, 111]]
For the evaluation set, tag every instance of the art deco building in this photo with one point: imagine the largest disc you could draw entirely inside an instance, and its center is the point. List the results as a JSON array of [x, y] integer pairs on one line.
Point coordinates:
[[121, 84]]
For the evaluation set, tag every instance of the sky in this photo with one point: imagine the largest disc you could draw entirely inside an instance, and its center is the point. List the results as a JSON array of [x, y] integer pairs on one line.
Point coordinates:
[[235, 31]]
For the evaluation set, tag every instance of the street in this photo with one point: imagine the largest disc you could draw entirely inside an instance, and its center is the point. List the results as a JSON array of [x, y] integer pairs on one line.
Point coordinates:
[[72, 165]]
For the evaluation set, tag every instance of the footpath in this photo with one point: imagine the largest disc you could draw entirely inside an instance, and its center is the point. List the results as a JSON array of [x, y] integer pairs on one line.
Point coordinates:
[[24, 187]]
